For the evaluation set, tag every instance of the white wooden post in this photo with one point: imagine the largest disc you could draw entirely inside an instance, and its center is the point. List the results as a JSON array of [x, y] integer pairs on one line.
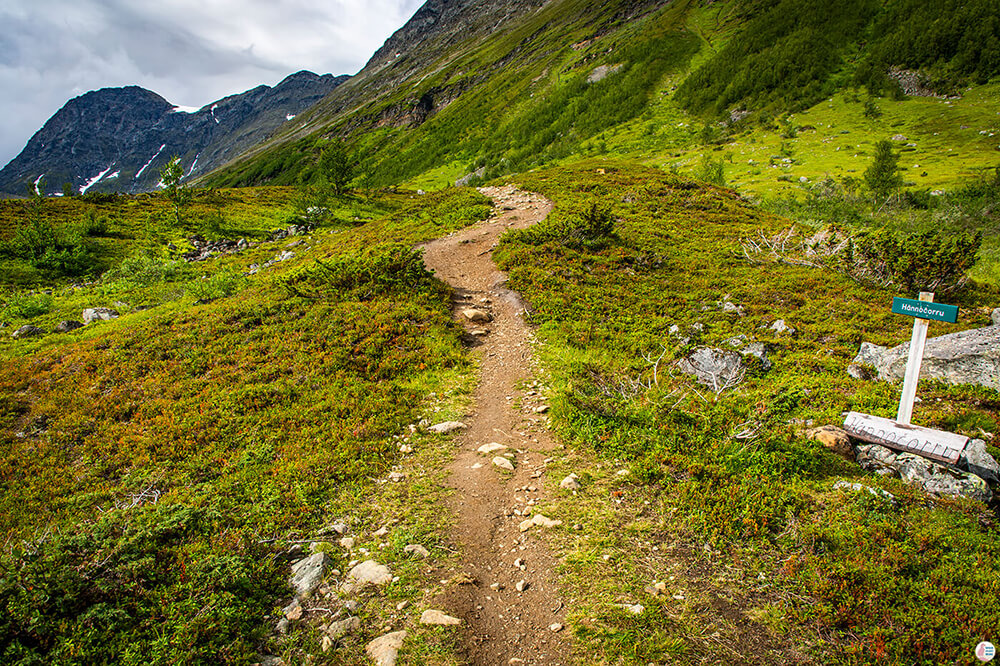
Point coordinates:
[[913, 365]]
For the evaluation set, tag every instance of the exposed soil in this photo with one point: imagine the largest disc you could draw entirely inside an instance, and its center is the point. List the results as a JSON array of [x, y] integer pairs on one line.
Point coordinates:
[[502, 625]]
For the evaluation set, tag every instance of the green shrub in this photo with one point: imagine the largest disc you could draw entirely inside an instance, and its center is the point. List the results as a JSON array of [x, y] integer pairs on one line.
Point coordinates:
[[23, 305], [379, 270], [224, 283], [932, 260]]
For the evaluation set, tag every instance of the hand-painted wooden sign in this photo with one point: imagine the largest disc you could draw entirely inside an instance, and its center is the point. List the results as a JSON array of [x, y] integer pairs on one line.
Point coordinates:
[[934, 444], [925, 309]]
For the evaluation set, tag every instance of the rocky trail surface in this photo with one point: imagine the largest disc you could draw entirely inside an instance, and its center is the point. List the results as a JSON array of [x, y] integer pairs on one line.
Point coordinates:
[[509, 606]]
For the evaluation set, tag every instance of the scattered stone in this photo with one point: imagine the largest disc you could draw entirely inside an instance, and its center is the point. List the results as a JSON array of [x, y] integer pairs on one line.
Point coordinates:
[[293, 611], [857, 487], [28, 331], [521, 585], [966, 357], [975, 459], [307, 574], [555, 627], [396, 477], [436, 617], [271, 660], [780, 327], [525, 525], [833, 438], [519, 563], [283, 626], [758, 351], [405, 448], [90, 315], [347, 543], [447, 427], [367, 573], [859, 371], [570, 483], [477, 316], [492, 447], [384, 649], [995, 316], [68, 325], [503, 463], [343, 627], [541, 409], [417, 549], [515, 661], [634, 609], [656, 589], [899, 137], [479, 332], [402, 605], [542, 521], [326, 644], [339, 527]]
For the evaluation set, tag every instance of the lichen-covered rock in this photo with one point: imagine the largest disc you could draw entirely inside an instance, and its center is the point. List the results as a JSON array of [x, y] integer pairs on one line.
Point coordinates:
[[966, 357], [940, 480], [307, 574], [714, 368], [28, 331], [367, 573], [833, 438], [384, 649], [68, 325]]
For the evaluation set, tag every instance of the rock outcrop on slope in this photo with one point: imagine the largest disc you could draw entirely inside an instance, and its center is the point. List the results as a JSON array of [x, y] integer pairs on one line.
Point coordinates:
[[118, 139], [966, 357]]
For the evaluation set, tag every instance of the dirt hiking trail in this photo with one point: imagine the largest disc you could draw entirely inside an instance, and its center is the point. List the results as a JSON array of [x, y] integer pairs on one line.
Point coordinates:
[[510, 609]]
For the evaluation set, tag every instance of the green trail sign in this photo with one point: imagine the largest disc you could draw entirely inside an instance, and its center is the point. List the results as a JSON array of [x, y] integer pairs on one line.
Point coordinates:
[[925, 309]]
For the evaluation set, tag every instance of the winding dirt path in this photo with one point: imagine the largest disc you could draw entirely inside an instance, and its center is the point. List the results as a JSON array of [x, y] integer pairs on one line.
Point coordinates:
[[510, 608]]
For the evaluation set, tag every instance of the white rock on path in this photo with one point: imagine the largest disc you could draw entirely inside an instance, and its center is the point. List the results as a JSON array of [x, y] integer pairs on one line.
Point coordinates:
[[447, 427], [367, 573], [343, 627], [477, 316], [417, 549], [438, 618], [503, 463], [384, 649], [542, 521], [492, 447]]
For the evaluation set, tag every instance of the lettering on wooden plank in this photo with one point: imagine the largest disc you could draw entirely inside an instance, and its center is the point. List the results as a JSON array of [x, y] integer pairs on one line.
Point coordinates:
[[934, 444]]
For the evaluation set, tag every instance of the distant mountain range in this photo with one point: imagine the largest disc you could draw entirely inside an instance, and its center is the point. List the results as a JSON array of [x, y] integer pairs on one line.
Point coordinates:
[[118, 139]]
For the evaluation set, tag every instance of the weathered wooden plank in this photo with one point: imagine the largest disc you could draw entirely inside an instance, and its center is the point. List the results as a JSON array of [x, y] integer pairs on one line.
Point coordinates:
[[934, 444]]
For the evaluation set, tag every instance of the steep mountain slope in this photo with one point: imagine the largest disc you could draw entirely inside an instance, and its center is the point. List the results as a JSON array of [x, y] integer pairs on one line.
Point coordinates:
[[448, 94], [116, 139]]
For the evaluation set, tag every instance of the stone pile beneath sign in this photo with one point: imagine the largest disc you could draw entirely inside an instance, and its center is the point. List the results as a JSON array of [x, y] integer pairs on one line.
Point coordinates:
[[971, 476]]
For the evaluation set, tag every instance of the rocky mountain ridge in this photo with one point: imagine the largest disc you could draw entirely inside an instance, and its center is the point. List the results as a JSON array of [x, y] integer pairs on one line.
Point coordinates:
[[118, 139]]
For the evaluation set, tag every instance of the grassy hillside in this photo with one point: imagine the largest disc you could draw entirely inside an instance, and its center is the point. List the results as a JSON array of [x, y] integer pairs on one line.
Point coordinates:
[[155, 468], [723, 498]]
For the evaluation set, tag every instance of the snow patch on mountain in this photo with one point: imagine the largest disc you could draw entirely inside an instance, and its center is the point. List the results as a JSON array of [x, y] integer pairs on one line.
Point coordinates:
[[93, 181], [139, 172]]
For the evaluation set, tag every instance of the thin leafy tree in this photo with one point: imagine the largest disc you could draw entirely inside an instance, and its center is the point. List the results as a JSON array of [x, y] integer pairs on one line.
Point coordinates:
[[882, 177]]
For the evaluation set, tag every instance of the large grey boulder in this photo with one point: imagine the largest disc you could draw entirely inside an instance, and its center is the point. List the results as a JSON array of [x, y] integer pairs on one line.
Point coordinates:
[[307, 574], [995, 316], [715, 368], [966, 357]]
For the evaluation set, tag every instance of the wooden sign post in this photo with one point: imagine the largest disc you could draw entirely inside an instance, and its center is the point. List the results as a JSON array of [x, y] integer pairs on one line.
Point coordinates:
[[900, 434]]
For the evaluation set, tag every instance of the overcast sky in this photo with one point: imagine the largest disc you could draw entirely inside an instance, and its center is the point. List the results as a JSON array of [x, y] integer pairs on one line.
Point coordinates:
[[189, 51]]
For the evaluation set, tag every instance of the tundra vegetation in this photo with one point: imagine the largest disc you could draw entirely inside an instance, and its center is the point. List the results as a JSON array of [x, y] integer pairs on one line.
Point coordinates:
[[155, 469]]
